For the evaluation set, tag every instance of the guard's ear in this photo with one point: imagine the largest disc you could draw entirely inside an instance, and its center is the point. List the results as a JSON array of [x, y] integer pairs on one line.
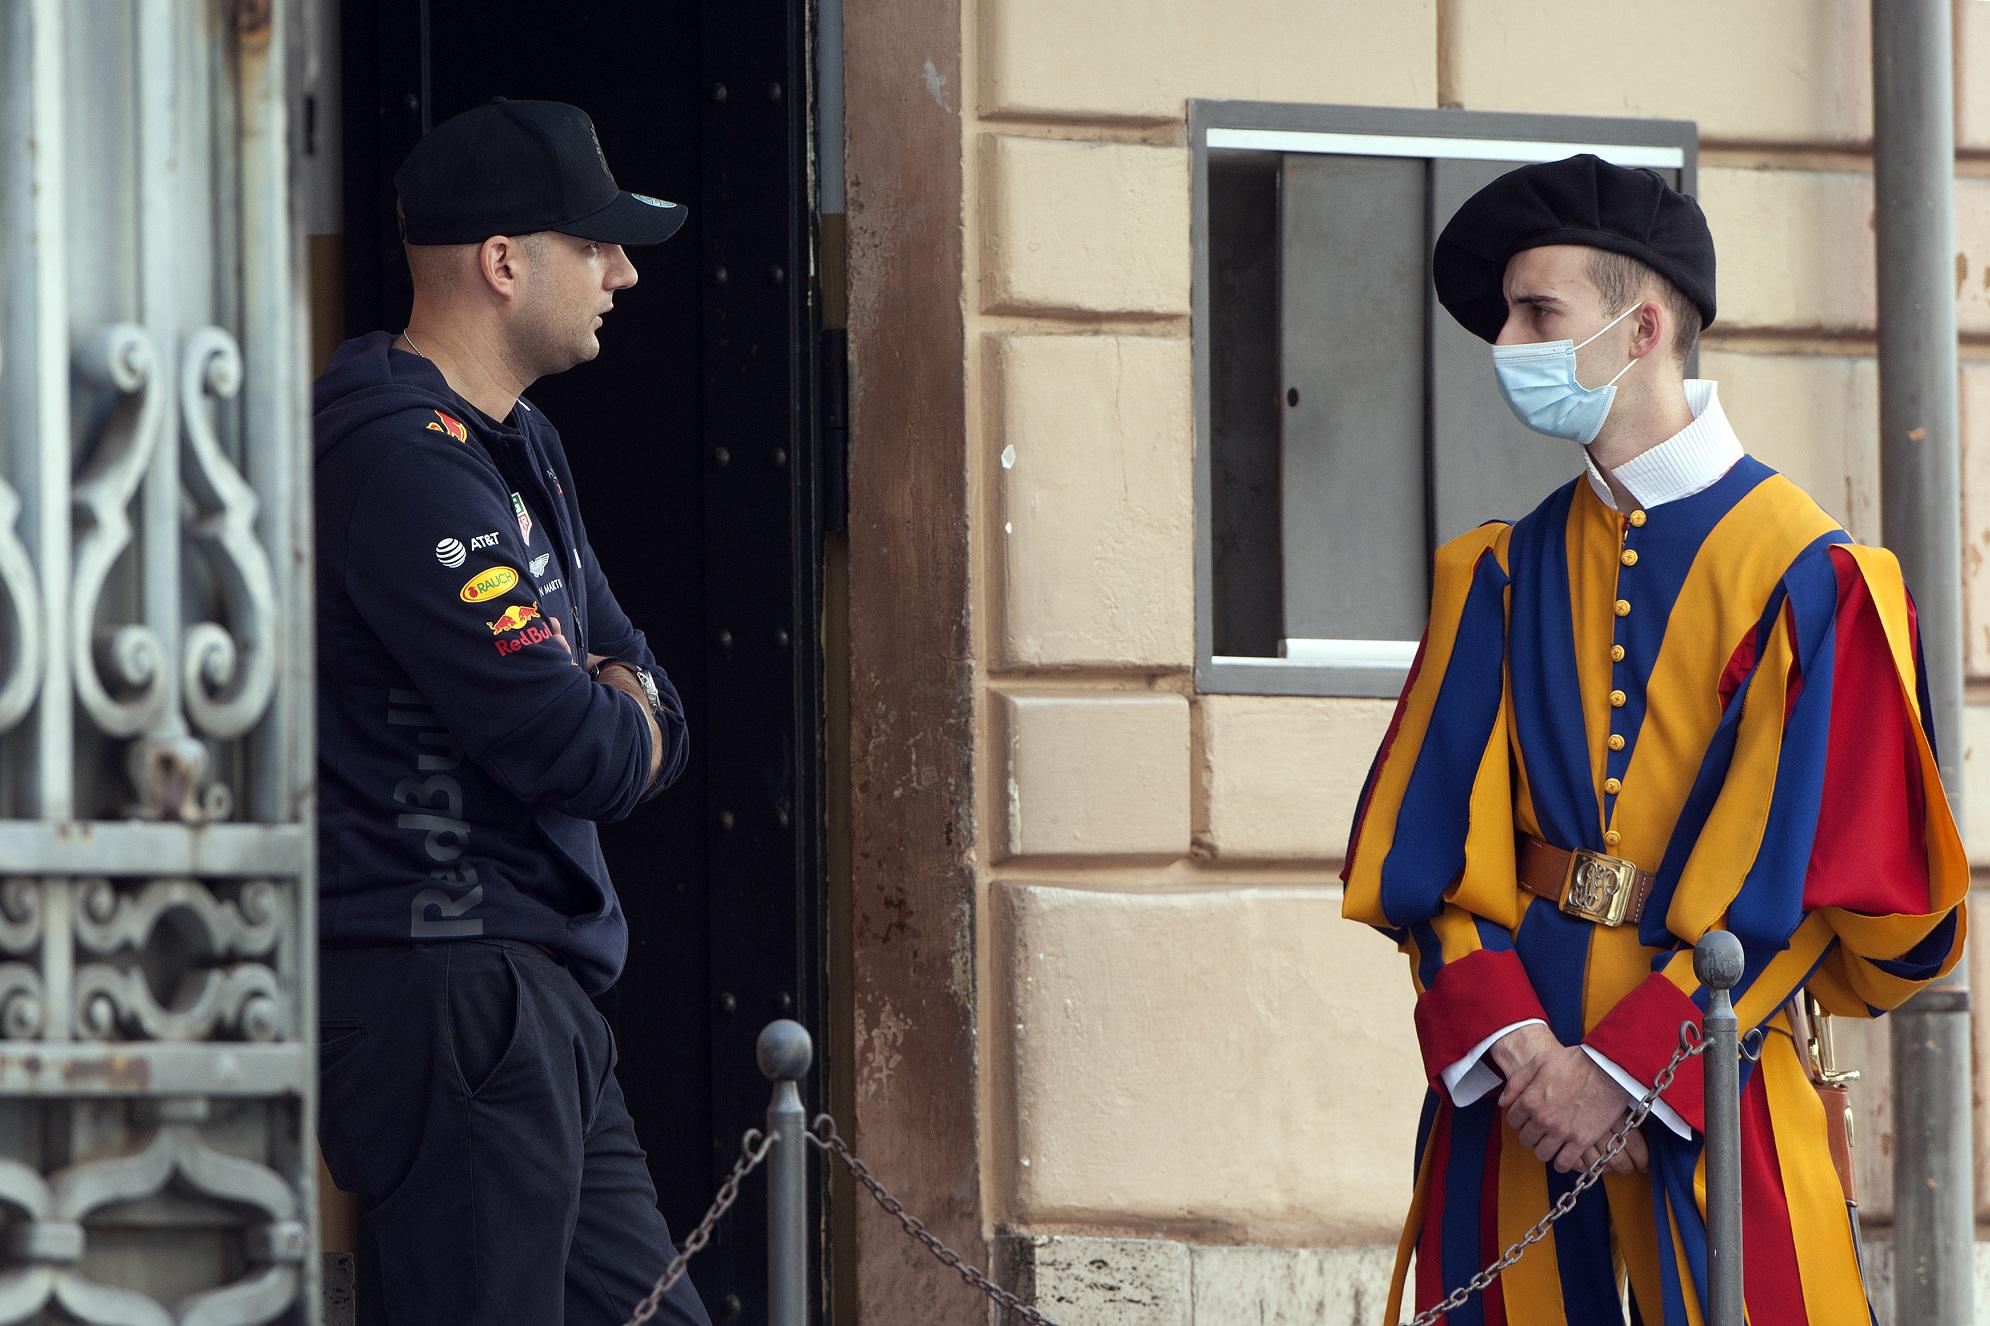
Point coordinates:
[[1650, 331], [500, 261]]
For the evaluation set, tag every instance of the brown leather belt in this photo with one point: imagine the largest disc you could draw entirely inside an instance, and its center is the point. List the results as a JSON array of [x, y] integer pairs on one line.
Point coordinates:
[[1599, 888]]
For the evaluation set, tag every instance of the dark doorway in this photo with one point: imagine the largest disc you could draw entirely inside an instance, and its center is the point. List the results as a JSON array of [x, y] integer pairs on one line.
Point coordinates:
[[694, 441]]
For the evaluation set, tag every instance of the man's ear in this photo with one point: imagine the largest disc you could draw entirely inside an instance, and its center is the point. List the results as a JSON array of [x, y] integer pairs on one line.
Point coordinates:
[[1649, 329], [500, 261]]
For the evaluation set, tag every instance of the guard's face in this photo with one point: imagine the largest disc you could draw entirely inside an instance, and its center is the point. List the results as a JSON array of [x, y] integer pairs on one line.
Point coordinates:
[[1549, 297], [571, 290]]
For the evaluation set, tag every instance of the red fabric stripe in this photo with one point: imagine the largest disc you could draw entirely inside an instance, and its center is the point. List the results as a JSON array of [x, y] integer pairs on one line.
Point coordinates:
[[1429, 1249], [1489, 1249], [1640, 1035], [1771, 1282], [1470, 1000], [1382, 756], [1868, 853]]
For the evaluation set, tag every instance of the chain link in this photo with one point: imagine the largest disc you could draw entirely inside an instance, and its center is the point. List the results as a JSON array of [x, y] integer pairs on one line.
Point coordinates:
[[753, 1149], [1691, 1043], [822, 1133]]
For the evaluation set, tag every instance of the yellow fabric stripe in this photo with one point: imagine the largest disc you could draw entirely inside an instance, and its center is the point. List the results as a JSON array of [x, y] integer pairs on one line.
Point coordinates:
[[1452, 583], [1826, 1261], [1486, 886], [1722, 598], [1412, 1226], [1629, 1196], [1733, 832], [1534, 1284], [1594, 539]]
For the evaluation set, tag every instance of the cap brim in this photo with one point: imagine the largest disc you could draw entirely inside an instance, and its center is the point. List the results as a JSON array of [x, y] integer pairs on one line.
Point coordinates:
[[631, 219]]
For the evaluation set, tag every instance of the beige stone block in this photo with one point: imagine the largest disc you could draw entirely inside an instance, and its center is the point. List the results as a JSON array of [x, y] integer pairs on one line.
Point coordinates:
[[1125, 59], [1092, 227], [1767, 70], [1277, 778], [1795, 246], [1976, 783], [1094, 445], [1972, 73], [1238, 1062], [1974, 388], [1815, 418], [1254, 1286], [1095, 775], [1079, 1281]]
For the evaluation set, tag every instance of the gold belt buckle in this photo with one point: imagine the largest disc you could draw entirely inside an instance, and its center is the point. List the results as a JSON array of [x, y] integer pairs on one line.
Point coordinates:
[[1598, 887]]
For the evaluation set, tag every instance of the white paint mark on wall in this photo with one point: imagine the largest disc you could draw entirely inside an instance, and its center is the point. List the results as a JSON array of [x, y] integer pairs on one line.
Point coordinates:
[[936, 86], [1009, 456]]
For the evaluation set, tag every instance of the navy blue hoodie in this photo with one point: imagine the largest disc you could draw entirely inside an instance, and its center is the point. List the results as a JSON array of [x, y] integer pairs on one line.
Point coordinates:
[[464, 754]]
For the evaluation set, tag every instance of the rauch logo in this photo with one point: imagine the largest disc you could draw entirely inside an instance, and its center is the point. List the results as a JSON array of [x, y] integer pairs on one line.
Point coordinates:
[[493, 580]]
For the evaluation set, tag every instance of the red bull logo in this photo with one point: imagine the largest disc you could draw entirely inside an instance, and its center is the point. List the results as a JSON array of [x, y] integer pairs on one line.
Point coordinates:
[[514, 618], [534, 634], [443, 423]]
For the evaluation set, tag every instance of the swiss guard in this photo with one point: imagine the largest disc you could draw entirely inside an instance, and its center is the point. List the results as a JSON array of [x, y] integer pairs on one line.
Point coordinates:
[[1675, 697]]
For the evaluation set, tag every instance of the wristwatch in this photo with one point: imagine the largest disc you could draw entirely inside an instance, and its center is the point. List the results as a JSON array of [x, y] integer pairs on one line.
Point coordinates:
[[643, 678]]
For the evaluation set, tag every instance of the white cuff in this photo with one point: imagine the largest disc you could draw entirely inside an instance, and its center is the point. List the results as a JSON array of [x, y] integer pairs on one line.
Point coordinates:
[[1660, 1111], [1472, 1077]]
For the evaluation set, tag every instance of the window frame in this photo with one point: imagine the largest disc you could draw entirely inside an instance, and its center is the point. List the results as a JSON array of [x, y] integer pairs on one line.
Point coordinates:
[[1362, 668]]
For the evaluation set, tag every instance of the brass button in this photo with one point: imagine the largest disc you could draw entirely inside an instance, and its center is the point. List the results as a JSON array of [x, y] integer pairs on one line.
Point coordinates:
[[1616, 653], [1612, 786], [1612, 838], [1617, 699], [1630, 557], [1623, 607], [1616, 741], [1638, 519]]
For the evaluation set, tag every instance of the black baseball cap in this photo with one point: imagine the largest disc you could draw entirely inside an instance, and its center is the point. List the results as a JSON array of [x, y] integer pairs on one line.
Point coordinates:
[[515, 167]]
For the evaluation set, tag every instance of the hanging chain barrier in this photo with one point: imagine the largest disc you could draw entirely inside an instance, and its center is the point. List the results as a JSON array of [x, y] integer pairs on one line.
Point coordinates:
[[753, 1149], [785, 1053], [822, 1133]]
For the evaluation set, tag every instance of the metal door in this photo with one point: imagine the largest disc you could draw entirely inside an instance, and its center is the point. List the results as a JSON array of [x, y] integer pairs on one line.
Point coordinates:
[[156, 892]]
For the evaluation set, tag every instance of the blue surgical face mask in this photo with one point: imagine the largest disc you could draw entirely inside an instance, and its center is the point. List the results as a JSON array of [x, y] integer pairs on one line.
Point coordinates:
[[1538, 381]]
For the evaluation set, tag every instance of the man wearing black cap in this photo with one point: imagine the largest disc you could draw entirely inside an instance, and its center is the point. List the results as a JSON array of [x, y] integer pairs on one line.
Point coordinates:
[[483, 703], [1675, 697]]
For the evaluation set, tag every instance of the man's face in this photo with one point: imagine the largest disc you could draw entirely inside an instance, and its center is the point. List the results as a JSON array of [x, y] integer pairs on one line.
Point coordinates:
[[1549, 297], [570, 287]]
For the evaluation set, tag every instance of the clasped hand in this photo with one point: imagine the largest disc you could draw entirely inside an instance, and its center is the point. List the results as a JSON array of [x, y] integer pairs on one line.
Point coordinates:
[[1561, 1104]]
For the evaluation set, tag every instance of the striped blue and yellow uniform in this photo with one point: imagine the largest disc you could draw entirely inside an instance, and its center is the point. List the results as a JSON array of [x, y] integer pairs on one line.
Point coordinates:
[[1725, 690]]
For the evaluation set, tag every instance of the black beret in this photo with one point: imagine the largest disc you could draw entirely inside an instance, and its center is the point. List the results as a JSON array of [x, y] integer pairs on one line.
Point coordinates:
[[1583, 200]]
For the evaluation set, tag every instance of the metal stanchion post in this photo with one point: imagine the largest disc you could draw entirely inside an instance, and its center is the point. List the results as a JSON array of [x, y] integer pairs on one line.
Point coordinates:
[[1717, 961], [785, 1052]]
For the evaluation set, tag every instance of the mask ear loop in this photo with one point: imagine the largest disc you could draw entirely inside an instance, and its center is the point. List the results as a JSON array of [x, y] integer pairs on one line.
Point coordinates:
[[1629, 365]]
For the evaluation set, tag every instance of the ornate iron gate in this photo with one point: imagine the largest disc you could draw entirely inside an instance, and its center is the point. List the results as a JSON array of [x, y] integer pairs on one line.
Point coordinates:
[[156, 766]]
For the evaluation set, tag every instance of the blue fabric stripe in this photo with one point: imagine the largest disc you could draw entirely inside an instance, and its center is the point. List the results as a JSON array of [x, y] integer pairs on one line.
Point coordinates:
[[1770, 905], [1554, 948], [1464, 1181], [1429, 952], [1673, 1159], [1671, 1302], [1492, 936], [1582, 1256], [1429, 847], [1425, 1122], [1667, 546], [1541, 660]]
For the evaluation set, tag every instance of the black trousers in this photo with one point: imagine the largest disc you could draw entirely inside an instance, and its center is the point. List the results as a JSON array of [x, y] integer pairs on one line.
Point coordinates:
[[468, 1098]]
